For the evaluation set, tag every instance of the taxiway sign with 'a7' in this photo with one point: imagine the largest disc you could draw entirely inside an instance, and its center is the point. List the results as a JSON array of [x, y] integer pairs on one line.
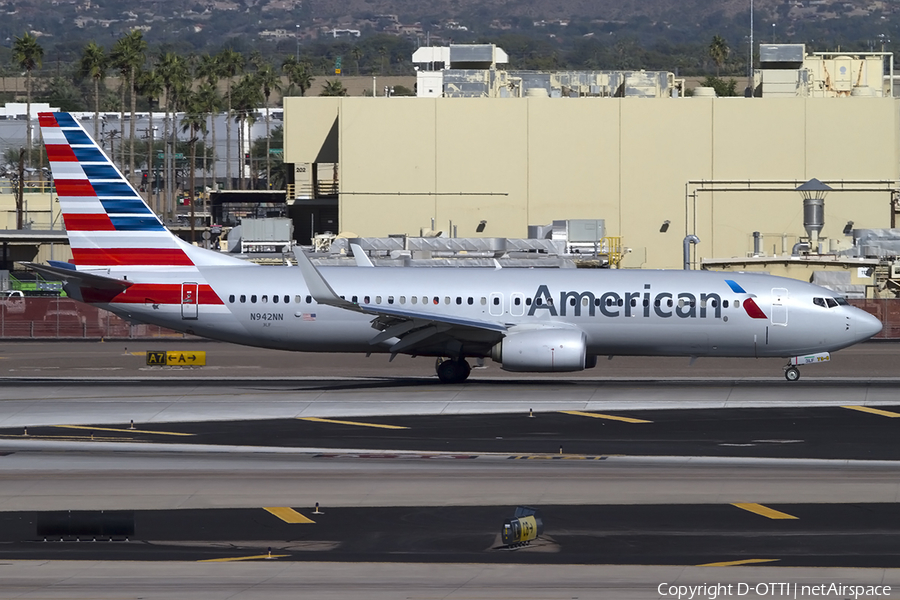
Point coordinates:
[[170, 358]]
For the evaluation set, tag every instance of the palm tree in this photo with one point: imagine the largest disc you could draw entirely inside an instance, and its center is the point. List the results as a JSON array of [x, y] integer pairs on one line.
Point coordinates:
[[269, 81], [128, 55], [173, 71], [150, 85], [382, 52], [246, 97], [28, 54], [94, 64], [231, 64], [719, 51], [333, 88], [357, 54], [298, 74], [208, 103], [208, 69], [194, 121]]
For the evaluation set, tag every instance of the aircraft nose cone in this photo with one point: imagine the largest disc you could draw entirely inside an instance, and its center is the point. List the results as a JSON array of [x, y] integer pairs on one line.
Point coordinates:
[[866, 325]]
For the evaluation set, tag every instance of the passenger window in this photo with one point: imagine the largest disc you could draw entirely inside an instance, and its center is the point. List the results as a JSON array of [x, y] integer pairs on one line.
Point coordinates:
[[571, 301], [390, 299], [596, 301], [253, 298], [633, 302], [517, 301], [483, 300], [446, 299], [309, 299], [275, 299], [471, 301], [287, 299], [437, 300], [819, 302], [377, 299], [459, 300], [298, 299], [669, 302], [231, 298], [831, 302], [725, 303], [367, 300], [496, 301], [646, 302], [737, 303], [355, 299], [264, 299], [402, 299], [243, 298], [620, 302], [414, 299], [424, 299]]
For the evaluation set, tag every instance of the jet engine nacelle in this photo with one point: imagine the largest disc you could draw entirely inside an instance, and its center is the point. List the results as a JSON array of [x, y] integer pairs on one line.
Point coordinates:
[[543, 350]]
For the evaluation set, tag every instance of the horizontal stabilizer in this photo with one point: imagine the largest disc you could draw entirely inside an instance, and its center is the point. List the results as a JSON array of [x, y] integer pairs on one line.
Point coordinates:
[[81, 278]]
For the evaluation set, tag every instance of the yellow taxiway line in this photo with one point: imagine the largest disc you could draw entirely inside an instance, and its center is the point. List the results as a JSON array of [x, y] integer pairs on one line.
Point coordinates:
[[579, 413], [874, 411], [236, 558], [287, 514], [357, 423], [736, 563], [122, 430], [763, 511]]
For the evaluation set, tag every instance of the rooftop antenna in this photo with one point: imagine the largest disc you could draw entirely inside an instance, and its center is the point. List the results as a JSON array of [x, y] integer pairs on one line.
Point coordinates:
[[750, 58]]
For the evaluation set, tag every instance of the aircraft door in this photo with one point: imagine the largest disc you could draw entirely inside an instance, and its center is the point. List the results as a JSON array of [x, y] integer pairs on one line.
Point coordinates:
[[779, 306], [496, 305], [517, 305], [190, 300]]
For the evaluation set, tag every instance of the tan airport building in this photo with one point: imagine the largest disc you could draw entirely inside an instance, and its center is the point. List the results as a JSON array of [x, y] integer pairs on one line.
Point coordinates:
[[718, 168]]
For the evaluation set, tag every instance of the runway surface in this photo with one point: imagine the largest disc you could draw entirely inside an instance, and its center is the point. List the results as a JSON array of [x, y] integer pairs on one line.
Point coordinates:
[[849, 432], [661, 464]]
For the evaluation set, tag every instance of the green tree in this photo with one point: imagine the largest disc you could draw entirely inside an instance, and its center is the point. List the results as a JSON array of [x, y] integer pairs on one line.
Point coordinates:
[[174, 73], [246, 97], [723, 88], [28, 55], [209, 102], [333, 88], [231, 64], [357, 54], [299, 74], [193, 121], [128, 55], [382, 52], [93, 65], [268, 81], [718, 51], [150, 85]]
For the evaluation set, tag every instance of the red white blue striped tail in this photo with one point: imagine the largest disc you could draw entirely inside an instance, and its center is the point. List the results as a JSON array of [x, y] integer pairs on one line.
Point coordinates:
[[108, 223]]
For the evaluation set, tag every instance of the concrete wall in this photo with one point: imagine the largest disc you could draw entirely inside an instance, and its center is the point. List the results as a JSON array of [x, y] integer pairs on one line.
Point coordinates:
[[520, 162]]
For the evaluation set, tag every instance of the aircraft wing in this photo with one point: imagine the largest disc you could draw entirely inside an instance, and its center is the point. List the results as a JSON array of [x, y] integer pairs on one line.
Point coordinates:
[[415, 330]]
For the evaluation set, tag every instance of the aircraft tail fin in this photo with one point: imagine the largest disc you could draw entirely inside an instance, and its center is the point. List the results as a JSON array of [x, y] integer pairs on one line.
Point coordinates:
[[107, 221]]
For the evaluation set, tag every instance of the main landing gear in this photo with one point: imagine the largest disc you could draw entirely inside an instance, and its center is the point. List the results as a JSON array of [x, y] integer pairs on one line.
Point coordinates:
[[452, 371]]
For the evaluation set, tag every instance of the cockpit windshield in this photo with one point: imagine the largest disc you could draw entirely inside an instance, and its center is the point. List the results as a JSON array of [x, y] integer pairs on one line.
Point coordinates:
[[830, 302]]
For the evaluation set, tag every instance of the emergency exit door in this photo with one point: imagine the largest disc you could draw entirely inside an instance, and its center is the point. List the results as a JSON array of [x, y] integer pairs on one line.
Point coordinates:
[[190, 300], [779, 306]]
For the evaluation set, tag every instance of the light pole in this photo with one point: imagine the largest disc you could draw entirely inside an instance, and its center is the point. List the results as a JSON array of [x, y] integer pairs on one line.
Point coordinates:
[[297, 37]]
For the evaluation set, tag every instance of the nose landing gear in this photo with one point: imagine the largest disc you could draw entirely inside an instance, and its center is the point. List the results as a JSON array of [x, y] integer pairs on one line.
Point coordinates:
[[453, 371], [791, 373]]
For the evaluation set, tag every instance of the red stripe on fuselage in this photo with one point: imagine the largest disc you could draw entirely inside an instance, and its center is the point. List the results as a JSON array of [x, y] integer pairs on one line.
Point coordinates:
[[47, 120], [753, 310], [163, 293], [60, 153], [131, 256], [74, 187], [79, 222]]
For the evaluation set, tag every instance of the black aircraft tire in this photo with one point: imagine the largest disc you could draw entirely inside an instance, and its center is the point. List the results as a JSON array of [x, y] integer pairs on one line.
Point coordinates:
[[453, 371], [792, 373]]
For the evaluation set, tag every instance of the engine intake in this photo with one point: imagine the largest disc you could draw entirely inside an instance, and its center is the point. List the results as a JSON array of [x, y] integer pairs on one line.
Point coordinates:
[[542, 351]]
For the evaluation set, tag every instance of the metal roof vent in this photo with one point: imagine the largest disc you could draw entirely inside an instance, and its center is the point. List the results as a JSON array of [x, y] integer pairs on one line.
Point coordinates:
[[813, 192]]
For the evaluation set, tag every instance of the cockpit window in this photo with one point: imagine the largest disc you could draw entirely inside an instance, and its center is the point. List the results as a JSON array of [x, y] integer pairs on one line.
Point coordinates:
[[841, 300], [831, 302], [819, 302]]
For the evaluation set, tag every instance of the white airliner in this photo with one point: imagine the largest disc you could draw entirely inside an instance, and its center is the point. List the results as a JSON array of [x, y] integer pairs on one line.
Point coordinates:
[[528, 320]]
